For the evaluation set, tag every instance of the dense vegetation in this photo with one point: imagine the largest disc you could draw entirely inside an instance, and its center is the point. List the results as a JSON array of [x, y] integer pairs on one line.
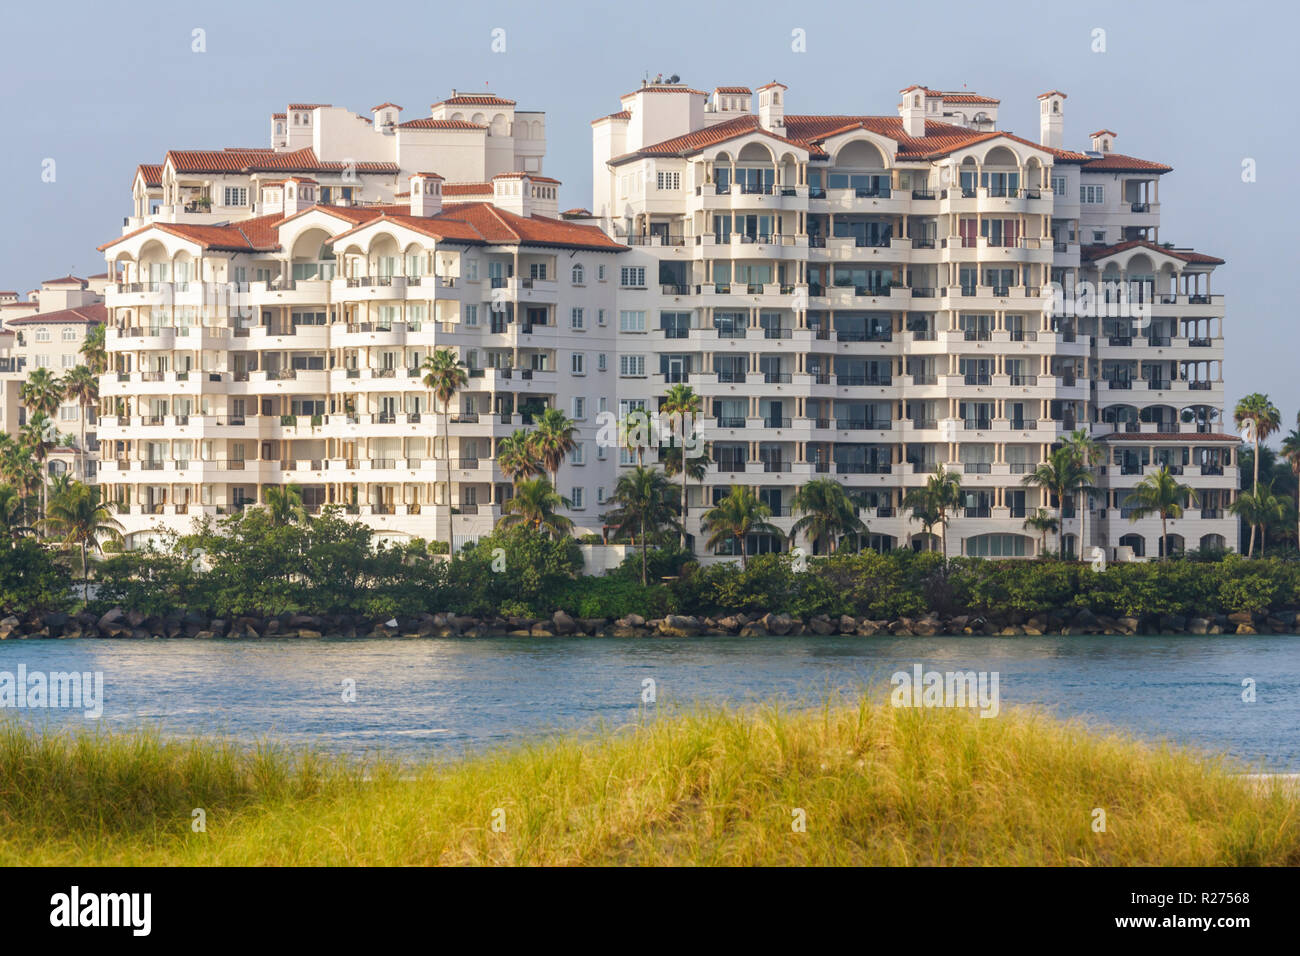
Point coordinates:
[[258, 562], [875, 784]]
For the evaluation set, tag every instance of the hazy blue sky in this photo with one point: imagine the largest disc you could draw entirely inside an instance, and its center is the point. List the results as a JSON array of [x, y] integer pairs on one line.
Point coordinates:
[[1200, 86]]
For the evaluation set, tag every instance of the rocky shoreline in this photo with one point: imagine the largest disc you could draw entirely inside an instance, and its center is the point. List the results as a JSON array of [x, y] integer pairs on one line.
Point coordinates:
[[122, 624]]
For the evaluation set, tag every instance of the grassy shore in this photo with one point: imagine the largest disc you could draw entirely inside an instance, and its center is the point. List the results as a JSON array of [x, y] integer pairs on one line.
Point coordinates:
[[877, 785]]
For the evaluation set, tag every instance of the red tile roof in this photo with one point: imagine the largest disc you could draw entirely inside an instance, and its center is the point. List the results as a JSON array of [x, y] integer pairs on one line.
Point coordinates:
[[1186, 255], [732, 89], [151, 173], [65, 280], [429, 123], [711, 136], [483, 99], [1119, 163], [533, 176], [664, 88], [481, 223], [621, 114], [959, 96], [1043, 96], [307, 106], [467, 189], [384, 106], [250, 235], [252, 160], [81, 315], [1103, 132]]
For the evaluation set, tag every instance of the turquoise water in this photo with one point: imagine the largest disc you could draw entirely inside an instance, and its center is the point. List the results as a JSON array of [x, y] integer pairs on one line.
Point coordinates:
[[437, 698]]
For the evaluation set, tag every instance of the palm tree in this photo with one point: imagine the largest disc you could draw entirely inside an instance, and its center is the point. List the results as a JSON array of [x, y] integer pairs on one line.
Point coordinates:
[[642, 506], [517, 457], [1259, 509], [81, 518], [13, 509], [1042, 521], [1160, 493], [684, 403], [37, 438], [696, 468], [828, 513], [1291, 452], [93, 350], [42, 392], [536, 505], [634, 426], [1265, 419], [284, 505], [554, 438], [82, 385], [20, 468], [736, 516], [1089, 454], [924, 511], [931, 504], [444, 375], [1062, 474]]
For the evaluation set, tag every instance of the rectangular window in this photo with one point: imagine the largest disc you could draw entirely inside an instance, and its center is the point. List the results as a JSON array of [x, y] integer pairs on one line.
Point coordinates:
[[235, 196], [1092, 194], [579, 408], [1058, 185], [537, 270], [632, 277], [471, 270], [600, 362], [471, 315], [667, 180], [631, 321], [576, 320], [67, 413], [600, 494], [69, 361], [631, 366], [70, 334], [576, 496], [577, 363], [578, 454], [42, 335], [600, 273]]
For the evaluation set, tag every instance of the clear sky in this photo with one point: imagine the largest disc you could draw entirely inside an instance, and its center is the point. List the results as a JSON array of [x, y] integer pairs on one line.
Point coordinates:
[[1200, 86]]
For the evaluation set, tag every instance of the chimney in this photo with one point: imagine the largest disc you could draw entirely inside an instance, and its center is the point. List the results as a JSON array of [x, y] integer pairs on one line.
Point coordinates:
[[1051, 119], [426, 194], [299, 194], [771, 107], [1103, 141], [912, 110]]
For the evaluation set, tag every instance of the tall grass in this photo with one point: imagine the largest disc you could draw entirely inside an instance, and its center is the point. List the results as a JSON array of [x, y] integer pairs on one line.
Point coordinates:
[[876, 785]]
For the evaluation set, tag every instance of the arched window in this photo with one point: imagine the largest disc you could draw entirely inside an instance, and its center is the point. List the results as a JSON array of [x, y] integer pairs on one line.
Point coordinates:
[[578, 273]]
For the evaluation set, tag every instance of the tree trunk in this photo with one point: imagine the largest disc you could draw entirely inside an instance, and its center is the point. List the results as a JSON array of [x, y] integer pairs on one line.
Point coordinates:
[[82, 445], [1250, 553], [85, 576], [1164, 537], [943, 532], [684, 496], [644, 579]]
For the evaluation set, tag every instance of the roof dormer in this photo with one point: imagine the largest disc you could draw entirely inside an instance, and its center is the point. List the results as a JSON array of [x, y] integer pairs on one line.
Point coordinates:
[[426, 194], [385, 116], [771, 107], [1103, 141]]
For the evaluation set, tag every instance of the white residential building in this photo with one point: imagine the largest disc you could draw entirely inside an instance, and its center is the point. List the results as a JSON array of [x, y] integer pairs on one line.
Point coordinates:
[[311, 374], [863, 297], [47, 330]]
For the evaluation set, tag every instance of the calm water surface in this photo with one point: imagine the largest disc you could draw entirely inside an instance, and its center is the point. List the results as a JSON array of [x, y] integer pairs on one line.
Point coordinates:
[[438, 698]]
